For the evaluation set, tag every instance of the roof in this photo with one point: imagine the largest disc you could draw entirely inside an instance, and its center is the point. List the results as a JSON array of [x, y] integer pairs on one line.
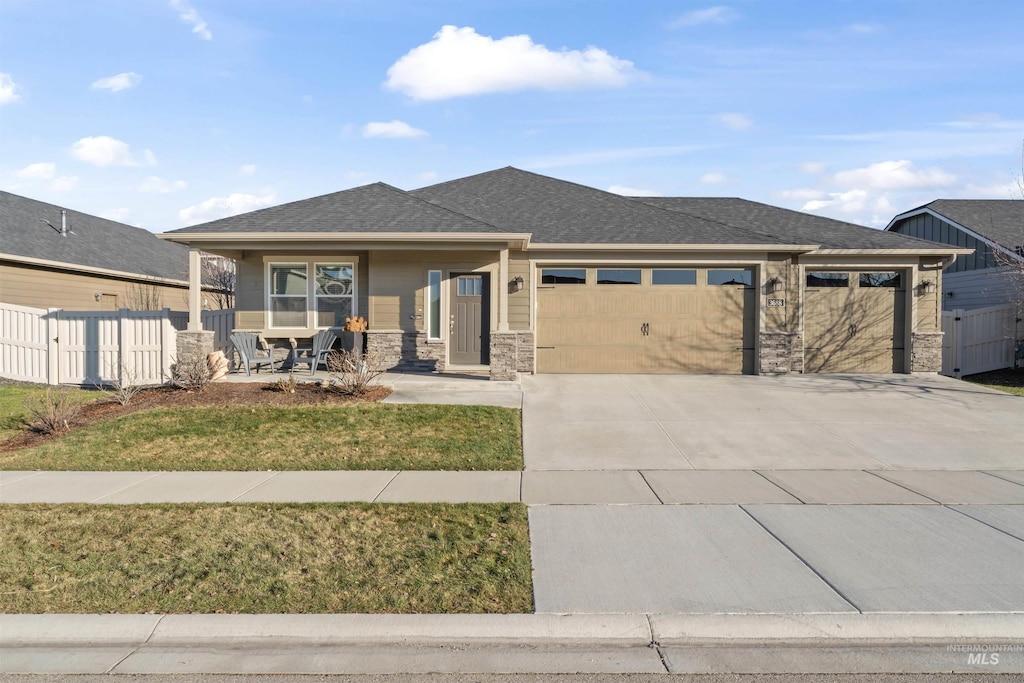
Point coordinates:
[[371, 208], [1000, 220], [96, 243], [795, 226], [560, 212]]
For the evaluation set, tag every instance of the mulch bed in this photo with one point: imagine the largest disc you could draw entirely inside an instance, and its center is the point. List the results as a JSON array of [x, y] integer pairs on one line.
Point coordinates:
[[1002, 378], [216, 394]]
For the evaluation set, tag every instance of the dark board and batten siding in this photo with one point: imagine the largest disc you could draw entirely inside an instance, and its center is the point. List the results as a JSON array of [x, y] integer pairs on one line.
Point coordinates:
[[929, 227]]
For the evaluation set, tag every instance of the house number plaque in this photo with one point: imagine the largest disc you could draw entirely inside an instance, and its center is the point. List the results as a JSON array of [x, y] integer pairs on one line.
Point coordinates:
[[776, 303]]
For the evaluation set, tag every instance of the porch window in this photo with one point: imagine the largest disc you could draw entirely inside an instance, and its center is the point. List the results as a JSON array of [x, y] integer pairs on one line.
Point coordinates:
[[334, 290], [434, 304], [288, 294]]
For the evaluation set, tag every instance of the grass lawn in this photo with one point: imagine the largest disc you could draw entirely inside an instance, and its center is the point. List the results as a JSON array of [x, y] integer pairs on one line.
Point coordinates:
[[12, 405], [265, 558], [1009, 380], [367, 436]]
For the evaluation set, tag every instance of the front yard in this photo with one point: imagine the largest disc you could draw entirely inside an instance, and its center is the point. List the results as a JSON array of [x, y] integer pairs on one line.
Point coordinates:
[[1009, 380], [319, 558], [247, 427]]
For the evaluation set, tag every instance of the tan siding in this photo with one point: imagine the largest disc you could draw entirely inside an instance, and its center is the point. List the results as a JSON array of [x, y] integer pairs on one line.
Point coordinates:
[[51, 288], [929, 306], [776, 319], [250, 296], [519, 302]]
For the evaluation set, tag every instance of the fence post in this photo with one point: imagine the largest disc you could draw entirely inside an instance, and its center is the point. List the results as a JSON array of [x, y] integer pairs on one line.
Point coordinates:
[[125, 357], [52, 346], [168, 346], [958, 340]]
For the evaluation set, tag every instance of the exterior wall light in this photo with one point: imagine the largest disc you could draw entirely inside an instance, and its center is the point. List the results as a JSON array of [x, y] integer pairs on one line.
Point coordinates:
[[926, 287], [774, 285], [516, 285]]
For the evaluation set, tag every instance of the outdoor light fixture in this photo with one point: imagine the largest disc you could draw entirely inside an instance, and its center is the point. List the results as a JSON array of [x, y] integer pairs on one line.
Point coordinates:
[[774, 285], [517, 283], [97, 296], [926, 287]]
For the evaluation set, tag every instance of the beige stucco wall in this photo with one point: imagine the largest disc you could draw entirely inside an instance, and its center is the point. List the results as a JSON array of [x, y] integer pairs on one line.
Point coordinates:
[[25, 285]]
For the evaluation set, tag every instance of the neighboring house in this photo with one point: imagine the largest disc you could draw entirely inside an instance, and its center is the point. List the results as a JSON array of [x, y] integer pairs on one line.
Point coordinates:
[[993, 229], [509, 271], [52, 257]]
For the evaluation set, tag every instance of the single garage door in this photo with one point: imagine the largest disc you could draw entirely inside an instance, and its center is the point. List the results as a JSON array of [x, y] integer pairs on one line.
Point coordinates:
[[646, 320], [854, 321]]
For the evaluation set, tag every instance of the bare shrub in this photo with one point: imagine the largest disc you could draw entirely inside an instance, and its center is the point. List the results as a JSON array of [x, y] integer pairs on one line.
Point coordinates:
[[142, 297], [52, 411], [125, 385], [353, 373], [286, 386], [191, 375]]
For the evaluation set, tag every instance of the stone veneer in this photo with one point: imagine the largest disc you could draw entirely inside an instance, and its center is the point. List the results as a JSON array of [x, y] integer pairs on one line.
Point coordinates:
[[510, 352], [191, 346], [926, 352], [781, 353], [504, 356]]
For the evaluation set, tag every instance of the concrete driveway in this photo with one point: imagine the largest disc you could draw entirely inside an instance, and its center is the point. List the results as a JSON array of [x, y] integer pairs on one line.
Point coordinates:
[[819, 422]]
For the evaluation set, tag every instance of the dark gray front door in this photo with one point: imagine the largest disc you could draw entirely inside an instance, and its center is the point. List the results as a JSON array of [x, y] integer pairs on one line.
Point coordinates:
[[470, 319]]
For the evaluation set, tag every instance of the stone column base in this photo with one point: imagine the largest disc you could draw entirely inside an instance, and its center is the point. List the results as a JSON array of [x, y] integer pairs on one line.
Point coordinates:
[[193, 346], [926, 352], [780, 353], [504, 356], [400, 350]]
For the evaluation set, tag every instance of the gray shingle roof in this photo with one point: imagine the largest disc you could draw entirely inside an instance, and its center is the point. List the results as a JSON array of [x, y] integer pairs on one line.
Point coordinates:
[[371, 208], [1000, 220], [561, 212], [787, 224], [96, 242]]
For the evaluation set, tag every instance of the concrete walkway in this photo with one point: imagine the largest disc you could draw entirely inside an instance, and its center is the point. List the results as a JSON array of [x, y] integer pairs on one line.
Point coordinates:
[[549, 487]]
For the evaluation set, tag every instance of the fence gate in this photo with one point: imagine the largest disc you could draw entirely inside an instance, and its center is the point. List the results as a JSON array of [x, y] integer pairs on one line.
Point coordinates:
[[979, 339]]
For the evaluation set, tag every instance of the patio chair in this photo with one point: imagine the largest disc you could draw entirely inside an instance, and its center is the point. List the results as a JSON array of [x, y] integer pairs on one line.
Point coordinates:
[[323, 341], [246, 343]]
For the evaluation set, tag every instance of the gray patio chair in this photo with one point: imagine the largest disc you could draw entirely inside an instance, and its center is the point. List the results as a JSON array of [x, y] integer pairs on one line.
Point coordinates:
[[322, 343], [246, 343]]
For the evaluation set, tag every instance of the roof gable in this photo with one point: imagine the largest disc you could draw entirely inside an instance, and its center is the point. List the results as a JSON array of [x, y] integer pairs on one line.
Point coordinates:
[[999, 220], [371, 208], [95, 243]]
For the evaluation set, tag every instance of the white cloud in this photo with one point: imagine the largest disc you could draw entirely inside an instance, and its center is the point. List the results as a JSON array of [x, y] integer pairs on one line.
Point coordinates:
[[39, 171], [189, 15], [157, 184], [633, 191], [220, 207], [714, 178], [615, 154], [734, 121], [247, 169], [117, 83], [8, 89], [391, 129], [103, 150], [120, 215], [893, 175], [866, 207], [64, 183], [803, 194], [719, 14], [460, 62], [812, 167]]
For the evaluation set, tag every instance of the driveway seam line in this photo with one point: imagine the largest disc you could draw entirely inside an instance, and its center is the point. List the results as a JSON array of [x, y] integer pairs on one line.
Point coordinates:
[[779, 486], [1010, 481], [385, 487], [644, 477], [254, 487], [848, 443], [34, 474], [137, 647], [658, 422], [905, 488], [125, 488], [983, 522], [802, 560]]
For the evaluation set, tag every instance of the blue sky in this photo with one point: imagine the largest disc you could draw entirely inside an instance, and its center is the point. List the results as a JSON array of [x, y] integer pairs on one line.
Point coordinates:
[[163, 113]]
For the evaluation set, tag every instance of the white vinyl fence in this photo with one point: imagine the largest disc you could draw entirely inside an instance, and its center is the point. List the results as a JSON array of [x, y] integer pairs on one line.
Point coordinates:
[[980, 339], [55, 346]]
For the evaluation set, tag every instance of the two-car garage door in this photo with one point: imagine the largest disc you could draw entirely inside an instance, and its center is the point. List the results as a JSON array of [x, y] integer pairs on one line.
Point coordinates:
[[656, 320]]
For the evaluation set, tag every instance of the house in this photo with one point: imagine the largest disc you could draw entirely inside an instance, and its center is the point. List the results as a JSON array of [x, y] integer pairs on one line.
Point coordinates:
[[56, 257], [993, 229], [510, 271]]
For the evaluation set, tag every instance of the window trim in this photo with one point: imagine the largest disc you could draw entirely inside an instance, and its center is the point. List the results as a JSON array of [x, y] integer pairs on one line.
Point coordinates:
[[435, 335], [271, 296], [309, 262], [316, 297]]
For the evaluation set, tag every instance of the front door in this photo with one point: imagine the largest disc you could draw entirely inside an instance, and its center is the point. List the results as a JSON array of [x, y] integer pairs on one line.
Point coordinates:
[[470, 323]]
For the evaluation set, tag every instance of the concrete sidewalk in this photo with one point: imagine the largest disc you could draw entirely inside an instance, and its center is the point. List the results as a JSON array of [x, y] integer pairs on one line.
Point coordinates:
[[547, 487]]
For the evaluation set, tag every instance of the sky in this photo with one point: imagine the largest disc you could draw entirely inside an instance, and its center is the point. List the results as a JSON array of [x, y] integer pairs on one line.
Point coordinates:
[[166, 113]]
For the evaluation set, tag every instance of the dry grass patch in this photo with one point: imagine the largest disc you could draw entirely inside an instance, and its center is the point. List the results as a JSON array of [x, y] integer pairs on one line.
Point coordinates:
[[265, 559], [1009, 380]]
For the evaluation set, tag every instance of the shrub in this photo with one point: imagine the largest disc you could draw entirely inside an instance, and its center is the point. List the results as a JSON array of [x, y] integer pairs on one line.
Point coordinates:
[[191, 375], [352, 373], [52, 411], [286, 386], [124, 386]]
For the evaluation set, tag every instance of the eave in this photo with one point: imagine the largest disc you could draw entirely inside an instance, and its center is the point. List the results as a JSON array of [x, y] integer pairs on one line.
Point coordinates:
[[90, 270], [391, 240]]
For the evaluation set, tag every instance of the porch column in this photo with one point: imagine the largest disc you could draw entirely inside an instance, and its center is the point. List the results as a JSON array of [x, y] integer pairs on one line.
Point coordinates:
[[195, 290], [503, 290]]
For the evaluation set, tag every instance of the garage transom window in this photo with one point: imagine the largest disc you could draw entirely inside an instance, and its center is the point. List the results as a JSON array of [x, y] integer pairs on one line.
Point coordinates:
[[673, 276], [743, 277], [563, 276], [868, 280], [608, 276], [828, 279]]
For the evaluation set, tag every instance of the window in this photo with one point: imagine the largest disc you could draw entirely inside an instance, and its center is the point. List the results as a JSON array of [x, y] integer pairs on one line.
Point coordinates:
[[743, 277], [880, 280], [563, 276], [470, 285], [334, 290], [828, 279], [607, 276], [434, 304], [288, 294], [673, 276]]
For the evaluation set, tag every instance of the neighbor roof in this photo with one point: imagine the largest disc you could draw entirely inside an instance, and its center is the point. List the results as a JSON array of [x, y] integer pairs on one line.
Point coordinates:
[[1000, 220], [371, 208], [561, 212], [95, 243], [788, 224]]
